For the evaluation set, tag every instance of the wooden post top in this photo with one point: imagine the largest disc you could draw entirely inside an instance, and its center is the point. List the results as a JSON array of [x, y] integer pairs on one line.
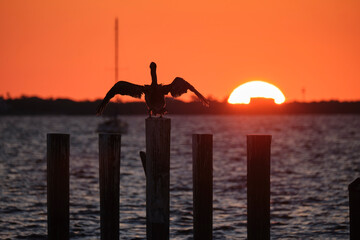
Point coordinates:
[[355, 185], [109, 134], [59, 134], [259, 135], [157, 124], [157, 119]]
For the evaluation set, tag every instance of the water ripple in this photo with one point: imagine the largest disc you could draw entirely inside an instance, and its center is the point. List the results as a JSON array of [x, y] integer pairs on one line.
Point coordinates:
[[314, 158]]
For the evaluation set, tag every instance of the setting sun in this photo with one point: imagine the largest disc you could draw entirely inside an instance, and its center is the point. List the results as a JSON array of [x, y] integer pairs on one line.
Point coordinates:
[[256, 89]]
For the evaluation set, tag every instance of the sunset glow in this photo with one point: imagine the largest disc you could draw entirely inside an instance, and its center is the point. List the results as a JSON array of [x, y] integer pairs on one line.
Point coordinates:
[[66, 49], [256, 89]]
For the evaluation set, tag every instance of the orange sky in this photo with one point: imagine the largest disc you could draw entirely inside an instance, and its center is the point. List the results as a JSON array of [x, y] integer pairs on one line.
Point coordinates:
[[66, 48]]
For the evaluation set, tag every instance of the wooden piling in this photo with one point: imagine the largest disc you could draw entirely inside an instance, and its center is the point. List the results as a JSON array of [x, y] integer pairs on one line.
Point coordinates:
[[109, 177], [143, 160], [202, 185], [258, 186], [354, 208], [58, 146], [157, 178]]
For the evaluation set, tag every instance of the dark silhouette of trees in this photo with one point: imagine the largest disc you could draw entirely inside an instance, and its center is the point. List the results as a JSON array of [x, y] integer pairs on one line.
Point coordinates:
[[38, 106]]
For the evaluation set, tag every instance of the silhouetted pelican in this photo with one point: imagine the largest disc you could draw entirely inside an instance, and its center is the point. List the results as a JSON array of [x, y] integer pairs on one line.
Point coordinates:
[[154, 93]]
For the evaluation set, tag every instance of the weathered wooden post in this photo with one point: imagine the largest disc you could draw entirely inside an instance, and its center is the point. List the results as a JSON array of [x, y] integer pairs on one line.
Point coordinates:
[[258, 186], [109, 177], [354, 207], [202, 185], [157, 178], [58, 146]]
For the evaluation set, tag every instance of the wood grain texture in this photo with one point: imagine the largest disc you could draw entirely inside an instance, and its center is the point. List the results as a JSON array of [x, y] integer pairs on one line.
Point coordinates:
[[157, 177], [109, 177], [354, 207], [258, 186], [58, 150], [202, 146]]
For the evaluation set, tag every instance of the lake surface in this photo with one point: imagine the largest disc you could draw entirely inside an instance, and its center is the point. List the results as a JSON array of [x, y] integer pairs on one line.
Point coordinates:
[[313, 159]]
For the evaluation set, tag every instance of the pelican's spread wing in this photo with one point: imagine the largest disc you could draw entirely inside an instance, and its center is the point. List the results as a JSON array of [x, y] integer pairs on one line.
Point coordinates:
[[179, 86], [123, 88]]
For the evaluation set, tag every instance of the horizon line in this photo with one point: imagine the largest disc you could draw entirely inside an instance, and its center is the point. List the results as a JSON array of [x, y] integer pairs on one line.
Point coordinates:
[[212, 99]]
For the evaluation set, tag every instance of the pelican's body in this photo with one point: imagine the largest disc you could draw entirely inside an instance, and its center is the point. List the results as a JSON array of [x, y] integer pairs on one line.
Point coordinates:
[[154, 93], [154, 99]]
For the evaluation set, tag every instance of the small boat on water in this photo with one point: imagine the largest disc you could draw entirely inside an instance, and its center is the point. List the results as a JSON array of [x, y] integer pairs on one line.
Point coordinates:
[[113, 125]]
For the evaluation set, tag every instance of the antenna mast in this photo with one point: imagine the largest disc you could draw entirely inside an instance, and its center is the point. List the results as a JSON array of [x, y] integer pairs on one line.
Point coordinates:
[[303, 91], [116, 51]]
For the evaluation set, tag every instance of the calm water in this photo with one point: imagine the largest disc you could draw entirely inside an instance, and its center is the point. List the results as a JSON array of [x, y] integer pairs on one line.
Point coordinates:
[[314, 158]]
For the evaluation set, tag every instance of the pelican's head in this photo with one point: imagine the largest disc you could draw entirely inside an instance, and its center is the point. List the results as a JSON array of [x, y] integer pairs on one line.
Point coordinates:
[[153, 65], [153, 73]]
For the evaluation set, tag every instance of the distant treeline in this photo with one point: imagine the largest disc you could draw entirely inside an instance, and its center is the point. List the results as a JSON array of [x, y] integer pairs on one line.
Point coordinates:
[[38, 106]]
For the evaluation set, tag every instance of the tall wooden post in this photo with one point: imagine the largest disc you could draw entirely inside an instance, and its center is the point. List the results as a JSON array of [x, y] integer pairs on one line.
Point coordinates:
[[58, 148], [202, 185], [258, 186], [354, 207], [157, 178], [109, 177]]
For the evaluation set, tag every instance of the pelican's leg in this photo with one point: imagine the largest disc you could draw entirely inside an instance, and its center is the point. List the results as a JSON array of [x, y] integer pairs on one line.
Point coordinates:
[[164, 111]]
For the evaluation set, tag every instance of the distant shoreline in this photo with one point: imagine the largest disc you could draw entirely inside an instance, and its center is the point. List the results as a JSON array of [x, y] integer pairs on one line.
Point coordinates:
[[38, 106]]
